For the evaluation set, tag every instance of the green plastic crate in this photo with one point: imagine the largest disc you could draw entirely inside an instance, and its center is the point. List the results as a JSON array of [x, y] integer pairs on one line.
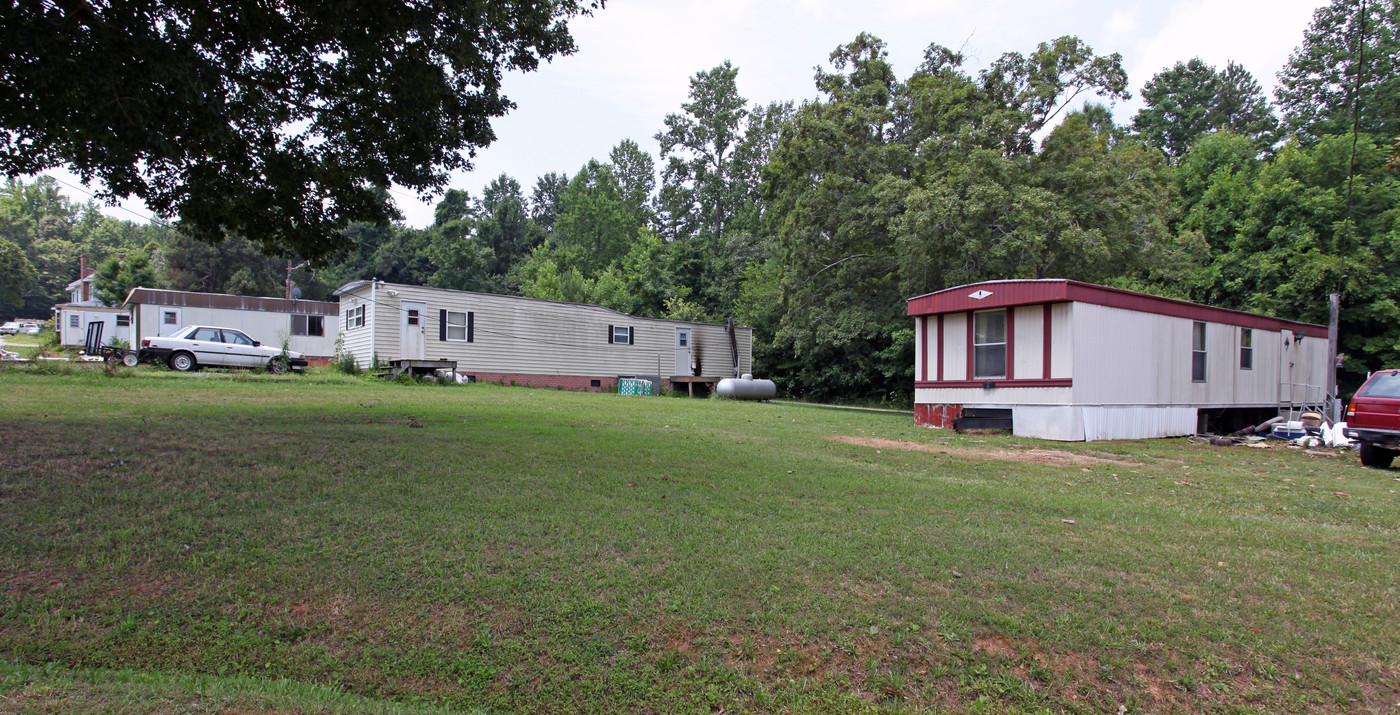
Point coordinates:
[[630, 386]]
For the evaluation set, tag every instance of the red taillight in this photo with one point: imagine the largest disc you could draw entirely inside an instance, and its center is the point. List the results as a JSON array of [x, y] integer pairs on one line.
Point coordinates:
[[146, 343], [1351, 412]]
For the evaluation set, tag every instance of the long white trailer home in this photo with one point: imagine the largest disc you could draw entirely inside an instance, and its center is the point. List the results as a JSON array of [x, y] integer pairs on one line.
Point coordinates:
[[308, 326], [1072, 361], [528, 341]]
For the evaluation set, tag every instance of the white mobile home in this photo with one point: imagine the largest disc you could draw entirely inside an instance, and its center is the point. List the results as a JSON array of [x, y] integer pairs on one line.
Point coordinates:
[[73, 320], [1065, 360], [528, 341], [308, 326]]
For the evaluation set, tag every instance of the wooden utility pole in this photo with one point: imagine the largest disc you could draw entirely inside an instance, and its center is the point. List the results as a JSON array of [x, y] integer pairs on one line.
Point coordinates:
[[1332, 325]]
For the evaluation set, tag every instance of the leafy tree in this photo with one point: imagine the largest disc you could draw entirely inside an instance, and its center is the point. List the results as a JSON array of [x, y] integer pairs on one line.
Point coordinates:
[[544, 200], [1027, 92], [636, 177], [17, 275], [211, 268], [268, 120], [1192, 99], [504, 227], [117, 276], [698, 147], [1342, 50], [594, 226], [835, 181]]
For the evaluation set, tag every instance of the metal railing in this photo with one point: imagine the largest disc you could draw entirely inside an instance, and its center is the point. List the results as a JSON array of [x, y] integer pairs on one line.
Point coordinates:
[[1295, 398]]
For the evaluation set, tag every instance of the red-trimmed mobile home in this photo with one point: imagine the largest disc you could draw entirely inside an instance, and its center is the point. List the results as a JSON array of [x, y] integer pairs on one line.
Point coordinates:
[[1064, 360]]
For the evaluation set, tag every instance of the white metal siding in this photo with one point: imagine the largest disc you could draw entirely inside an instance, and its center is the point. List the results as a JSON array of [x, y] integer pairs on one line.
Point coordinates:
[[1030, 341], [1061, 341], [919, 323], [954, 347], [535, 337], [356, 340], [996, 396], [1125, 357]]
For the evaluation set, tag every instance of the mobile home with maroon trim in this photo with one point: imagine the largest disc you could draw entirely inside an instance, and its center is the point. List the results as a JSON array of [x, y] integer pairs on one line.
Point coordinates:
[[1072, 361]]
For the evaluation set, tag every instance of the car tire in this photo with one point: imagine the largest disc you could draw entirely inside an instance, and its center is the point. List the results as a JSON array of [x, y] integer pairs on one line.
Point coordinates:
[[183, 362], [130, 359], [1377, 457], [278, 365]]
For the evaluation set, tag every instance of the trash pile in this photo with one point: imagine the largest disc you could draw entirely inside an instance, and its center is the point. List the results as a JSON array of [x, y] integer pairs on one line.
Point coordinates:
[[1309, 432]]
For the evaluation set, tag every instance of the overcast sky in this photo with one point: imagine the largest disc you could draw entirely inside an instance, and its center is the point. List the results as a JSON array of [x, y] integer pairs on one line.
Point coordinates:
[[636, 57]]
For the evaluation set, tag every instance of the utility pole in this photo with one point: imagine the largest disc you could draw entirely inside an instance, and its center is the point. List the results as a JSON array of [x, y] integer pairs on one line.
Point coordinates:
[[1332, 326]]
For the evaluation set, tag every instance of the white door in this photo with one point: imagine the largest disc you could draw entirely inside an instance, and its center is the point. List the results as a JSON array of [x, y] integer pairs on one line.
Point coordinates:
[[168, 321], [411, 335], [682, 351]]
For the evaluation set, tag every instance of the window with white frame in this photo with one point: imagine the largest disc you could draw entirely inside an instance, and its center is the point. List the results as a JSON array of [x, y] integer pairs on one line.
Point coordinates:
[[1198, 352], [355, 318], [171, 317], [123, 321], [1246, 349], [74, 321], [311, 325], [989, 344], [620, 334], [457, 325]]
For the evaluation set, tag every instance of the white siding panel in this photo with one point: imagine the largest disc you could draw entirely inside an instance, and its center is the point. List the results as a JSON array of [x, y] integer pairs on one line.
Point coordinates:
[[1125, 357], [1003, 396], [1062, 423], [1105, 422], [356, 341], [954, 347], [1030, 342], [1061, 341], [919, 323]]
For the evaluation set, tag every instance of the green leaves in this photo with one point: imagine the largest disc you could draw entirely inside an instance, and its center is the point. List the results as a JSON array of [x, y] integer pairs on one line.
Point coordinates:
[[271, 121], [1192, 98], [1346, 61]]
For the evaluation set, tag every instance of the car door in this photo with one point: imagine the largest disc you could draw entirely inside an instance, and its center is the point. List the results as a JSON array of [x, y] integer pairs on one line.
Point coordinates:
[[241, 350], [208, 347]]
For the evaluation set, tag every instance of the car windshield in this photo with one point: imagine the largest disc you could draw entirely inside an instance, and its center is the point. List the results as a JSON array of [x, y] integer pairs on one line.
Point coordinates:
[[1385, 384], [184, 333]]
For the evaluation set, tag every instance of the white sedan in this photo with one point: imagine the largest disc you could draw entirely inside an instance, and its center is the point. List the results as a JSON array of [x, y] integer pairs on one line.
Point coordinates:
[[195, 345]]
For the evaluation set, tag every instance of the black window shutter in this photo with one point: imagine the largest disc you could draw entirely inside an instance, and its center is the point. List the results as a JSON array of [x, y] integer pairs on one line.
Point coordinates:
[[470, 326], [610, 333], [631, 335], [442, 325]]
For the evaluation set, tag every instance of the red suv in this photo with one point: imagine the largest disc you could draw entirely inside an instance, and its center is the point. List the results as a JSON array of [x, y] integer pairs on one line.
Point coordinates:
[[1373, 418]]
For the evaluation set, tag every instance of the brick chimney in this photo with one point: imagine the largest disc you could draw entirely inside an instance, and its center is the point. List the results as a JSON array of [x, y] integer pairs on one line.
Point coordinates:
[[84, 272]]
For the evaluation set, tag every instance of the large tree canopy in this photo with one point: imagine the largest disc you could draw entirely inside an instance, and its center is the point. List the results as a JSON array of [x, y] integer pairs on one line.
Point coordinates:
[[1193, 98], [1344, 51], [270, 120]]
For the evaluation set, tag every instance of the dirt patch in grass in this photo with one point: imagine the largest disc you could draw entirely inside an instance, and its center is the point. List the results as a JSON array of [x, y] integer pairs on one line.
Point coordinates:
[[1029, 456]]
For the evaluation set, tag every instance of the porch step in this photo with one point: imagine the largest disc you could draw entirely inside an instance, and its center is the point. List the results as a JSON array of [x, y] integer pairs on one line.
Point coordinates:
[[983, 418]]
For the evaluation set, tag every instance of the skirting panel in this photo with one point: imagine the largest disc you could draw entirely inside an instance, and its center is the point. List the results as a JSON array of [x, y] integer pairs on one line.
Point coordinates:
[[1095, 423]]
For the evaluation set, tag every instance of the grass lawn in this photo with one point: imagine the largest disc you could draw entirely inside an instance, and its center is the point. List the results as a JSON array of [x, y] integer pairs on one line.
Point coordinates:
[[177, 543]]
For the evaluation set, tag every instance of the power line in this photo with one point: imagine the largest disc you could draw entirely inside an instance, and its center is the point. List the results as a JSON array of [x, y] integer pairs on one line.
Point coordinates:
[[152, 218]]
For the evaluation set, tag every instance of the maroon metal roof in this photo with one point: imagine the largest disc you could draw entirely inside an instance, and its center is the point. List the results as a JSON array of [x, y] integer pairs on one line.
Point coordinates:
[[1001, 294], [153, 296]]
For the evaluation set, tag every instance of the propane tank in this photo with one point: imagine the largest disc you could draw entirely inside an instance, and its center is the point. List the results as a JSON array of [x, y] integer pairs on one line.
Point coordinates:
[[746, 388]]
